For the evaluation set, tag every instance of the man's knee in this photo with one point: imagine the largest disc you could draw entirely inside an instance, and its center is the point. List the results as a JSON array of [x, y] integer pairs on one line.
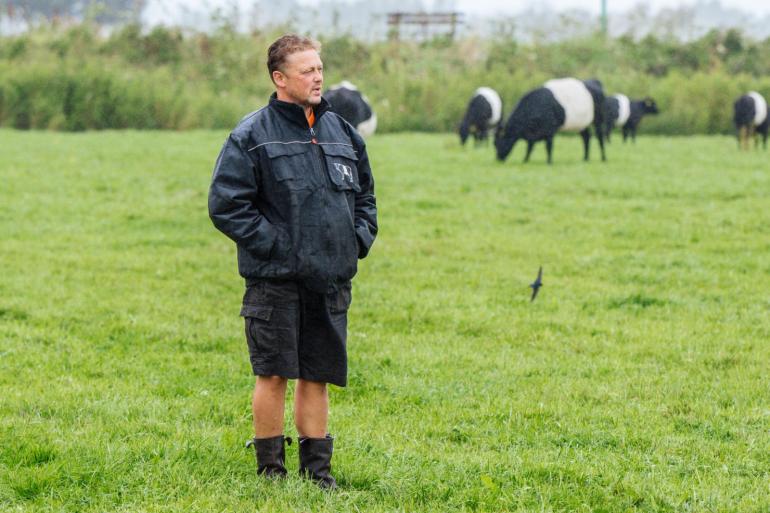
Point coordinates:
[[311, 385], [271, 382]]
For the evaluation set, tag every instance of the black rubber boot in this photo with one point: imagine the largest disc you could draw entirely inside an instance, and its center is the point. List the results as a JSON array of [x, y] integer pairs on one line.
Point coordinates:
[[271, 455], [315, 460]]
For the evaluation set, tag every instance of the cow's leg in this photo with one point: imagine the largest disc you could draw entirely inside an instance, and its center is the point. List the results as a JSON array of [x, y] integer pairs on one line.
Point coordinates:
[[530, 145], [586, 134], [625, 133], [549, 147], [600, 136]]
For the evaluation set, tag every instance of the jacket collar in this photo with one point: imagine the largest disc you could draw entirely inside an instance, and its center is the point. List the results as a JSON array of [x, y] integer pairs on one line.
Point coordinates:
[[294, 112]]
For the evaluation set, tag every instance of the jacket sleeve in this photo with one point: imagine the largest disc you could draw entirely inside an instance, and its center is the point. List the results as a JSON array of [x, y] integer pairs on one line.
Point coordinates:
[[366, 203], [232, 201]]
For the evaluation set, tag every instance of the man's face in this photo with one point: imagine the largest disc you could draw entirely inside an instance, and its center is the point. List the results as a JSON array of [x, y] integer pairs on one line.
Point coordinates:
[[301, 79]]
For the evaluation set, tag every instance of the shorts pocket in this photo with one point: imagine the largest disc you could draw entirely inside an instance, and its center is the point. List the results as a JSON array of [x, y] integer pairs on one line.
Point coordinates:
[[270, 331], [339, 300], [261, 312], [262, 338]]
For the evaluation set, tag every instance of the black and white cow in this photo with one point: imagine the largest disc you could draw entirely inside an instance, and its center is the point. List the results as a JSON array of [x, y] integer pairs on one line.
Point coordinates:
[[561, 104], [483, 114], [751, 118], [617, 109], [627, 114], [347, 101]]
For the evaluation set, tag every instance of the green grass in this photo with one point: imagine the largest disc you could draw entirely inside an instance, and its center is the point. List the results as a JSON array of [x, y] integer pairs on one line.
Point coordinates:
[[637, 381]]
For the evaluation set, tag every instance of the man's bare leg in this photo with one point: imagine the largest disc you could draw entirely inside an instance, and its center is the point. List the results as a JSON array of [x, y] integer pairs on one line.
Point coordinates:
[[311, 408], [267, 405]]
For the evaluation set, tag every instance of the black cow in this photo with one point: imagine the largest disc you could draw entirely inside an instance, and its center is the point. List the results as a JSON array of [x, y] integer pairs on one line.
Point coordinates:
[[562, 104], [483, 114], [751, 119], [347, 101]]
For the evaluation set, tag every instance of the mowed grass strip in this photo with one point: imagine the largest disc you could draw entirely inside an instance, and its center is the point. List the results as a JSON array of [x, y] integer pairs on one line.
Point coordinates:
[[637, 381]]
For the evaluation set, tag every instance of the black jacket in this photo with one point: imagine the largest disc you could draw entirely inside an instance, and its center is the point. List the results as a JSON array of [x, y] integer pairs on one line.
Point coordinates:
[[299, 202]]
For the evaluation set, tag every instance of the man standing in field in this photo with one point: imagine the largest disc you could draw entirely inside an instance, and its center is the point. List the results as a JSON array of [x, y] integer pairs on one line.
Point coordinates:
[[293, 188]]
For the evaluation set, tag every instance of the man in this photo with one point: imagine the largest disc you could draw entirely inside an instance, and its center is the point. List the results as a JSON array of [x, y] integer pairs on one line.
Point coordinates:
[[293, 188]]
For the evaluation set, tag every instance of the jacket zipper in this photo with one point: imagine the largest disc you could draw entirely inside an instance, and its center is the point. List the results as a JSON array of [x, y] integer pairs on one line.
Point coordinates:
[[325, 176]]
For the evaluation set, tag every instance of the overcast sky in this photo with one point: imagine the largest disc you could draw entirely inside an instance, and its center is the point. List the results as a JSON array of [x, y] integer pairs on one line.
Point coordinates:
[[513, 6], [491, 7], [197, 12]]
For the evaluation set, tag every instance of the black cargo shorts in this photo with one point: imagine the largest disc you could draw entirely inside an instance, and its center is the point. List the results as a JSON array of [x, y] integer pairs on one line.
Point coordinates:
[[294, 332]]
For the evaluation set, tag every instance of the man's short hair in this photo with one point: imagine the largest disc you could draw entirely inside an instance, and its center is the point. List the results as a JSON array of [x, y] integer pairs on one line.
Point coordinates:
[[285, 46]]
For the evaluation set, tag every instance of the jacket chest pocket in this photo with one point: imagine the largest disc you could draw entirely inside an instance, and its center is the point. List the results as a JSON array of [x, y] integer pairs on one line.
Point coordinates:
[[290, 165], [341, 166]]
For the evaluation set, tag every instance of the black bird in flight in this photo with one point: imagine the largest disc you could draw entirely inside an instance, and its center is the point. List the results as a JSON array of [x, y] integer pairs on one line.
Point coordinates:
[[537, 283]]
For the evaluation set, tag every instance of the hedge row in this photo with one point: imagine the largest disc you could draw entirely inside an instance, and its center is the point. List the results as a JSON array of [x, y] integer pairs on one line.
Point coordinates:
[[92, 98], [77, 80]]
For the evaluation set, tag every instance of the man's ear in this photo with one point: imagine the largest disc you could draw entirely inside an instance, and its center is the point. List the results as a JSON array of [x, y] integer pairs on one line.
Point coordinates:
[[279, 78]]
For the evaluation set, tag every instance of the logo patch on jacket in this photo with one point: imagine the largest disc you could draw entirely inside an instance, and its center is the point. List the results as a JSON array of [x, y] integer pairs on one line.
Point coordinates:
[[346, 172]]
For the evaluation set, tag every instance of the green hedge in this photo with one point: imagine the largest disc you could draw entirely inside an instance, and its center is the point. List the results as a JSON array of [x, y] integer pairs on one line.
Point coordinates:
[[98, 98], [75, 79]]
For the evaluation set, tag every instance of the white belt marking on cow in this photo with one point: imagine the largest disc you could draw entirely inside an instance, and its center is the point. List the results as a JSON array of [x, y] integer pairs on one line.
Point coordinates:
[[577, 101], [624, 109], [494, 101], [760, 108]]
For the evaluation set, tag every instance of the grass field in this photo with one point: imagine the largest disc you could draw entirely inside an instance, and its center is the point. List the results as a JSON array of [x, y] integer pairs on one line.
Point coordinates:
[[637, 381]]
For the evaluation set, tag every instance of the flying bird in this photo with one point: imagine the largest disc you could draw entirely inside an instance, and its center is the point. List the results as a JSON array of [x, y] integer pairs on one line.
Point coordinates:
[[537, 283]]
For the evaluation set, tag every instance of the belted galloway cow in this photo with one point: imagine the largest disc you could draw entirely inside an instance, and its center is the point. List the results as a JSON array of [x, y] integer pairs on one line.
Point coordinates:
[[565, 104], [347, 101]]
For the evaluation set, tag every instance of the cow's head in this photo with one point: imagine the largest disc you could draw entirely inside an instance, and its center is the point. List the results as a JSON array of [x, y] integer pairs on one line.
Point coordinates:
[[465, 131], [504, 141], [650, 107]]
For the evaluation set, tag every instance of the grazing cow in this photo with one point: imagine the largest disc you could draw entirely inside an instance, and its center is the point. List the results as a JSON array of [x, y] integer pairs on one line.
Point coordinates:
[[751, 119], [483, 114], [562, 104], [638, 109], [617, 109], [347, 101], [625, 113]]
